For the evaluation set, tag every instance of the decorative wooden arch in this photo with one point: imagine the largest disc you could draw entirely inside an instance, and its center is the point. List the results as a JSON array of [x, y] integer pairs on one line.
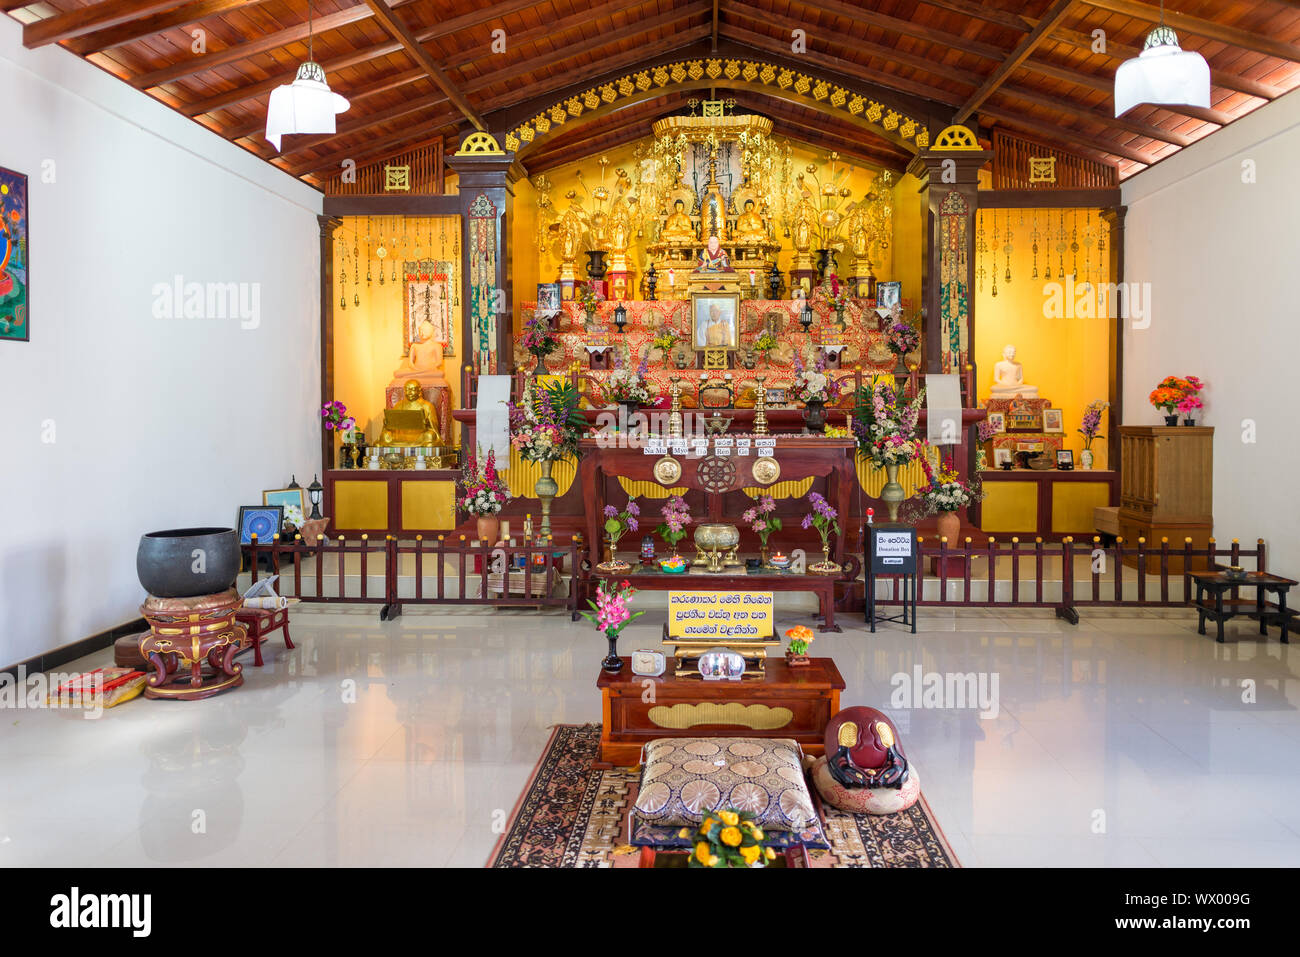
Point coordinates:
[[774, 79]]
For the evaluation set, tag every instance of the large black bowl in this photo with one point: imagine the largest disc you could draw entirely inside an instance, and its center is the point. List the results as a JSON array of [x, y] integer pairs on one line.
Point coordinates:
[[187, 562]]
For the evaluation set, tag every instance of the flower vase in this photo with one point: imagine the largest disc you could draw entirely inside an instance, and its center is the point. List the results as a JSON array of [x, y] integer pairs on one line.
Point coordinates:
[[825, 566], [763, 556], [612, 563], [892, 493], [796, 661], [949, 527], [1171, 420], [814, 415], [901, 371], [612, 663], [546, 489], [1189, 422], [489, 529], [839, 318], [540, 368], [1086, 459]]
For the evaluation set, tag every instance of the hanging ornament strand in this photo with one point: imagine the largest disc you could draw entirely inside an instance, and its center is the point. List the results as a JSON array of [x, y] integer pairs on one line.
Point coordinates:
[[1034, 236], [1007, 249], [1074, 241], [995, 254], [979, 248]]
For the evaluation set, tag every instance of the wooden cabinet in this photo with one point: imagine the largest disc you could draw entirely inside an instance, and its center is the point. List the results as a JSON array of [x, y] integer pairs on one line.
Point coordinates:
[[1166, 488]]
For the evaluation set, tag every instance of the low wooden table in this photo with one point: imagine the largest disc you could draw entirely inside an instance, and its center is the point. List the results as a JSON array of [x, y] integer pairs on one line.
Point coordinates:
[[634, 712], [1219, 609], [652, 579]]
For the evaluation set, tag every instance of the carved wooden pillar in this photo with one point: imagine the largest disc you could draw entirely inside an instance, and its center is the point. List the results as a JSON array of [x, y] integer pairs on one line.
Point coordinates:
[[486, 177], [328, 224], [949, 175], [1113, 217]]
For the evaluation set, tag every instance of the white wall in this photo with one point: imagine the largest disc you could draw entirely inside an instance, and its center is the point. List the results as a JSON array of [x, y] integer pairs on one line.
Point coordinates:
[[1223, 260], [158, 423]]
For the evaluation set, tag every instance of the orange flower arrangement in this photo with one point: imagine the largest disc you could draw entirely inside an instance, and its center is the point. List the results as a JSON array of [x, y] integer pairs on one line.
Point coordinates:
[[800, 636], [1173, 390]]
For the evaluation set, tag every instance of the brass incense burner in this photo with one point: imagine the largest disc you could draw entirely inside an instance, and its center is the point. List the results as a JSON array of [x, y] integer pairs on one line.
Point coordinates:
[[716, 542]]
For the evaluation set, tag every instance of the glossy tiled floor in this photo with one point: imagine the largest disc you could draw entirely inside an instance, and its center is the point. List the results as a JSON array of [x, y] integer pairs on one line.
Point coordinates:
[[1120, 741]]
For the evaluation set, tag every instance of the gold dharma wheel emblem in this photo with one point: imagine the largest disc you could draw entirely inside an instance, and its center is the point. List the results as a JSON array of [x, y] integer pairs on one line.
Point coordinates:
[[766, 470], [667, 470]]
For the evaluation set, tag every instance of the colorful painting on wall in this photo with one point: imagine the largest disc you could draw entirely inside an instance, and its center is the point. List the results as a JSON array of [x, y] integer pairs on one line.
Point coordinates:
[[13, 256]]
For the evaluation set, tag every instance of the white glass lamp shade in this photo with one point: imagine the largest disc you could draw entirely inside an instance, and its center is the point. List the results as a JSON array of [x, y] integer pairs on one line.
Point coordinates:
[[307, 105], [1162, 73]]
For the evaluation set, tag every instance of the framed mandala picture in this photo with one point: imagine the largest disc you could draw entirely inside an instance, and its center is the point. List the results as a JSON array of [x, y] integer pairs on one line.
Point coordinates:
[[264, 521], [14, 318]]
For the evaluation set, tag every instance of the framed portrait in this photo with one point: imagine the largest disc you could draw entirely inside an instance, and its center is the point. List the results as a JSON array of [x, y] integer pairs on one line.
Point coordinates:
[[1053, 420], [888, 294], [1002, 458], [716, 320], [14, 253], [1065, 460], [284, 497], [998, 420], [260, 520]]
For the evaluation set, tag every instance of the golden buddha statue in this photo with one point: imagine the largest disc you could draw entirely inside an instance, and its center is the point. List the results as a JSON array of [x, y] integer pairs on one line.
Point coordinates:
[[620, 228], [421, 431], [750, 228], [424, 362], [678, 229]]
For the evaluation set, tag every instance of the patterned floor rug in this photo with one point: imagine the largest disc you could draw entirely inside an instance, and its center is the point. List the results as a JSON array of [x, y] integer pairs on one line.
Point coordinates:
[[573, 816]]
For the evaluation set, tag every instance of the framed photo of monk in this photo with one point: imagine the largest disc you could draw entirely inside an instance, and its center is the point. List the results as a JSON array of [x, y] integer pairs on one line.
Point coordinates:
[[716, 320]]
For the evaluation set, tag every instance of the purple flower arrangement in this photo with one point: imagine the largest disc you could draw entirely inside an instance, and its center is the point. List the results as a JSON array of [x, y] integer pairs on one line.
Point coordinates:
[[885, 425], [823, 517], [336, 416], [537, 338], [902, 338], [618, 524], [1091, 424], [677, 515], [761, 518]]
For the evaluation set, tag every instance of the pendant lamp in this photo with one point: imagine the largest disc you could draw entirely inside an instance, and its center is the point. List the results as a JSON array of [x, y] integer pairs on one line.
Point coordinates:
[[307, 105], [1162, 73]]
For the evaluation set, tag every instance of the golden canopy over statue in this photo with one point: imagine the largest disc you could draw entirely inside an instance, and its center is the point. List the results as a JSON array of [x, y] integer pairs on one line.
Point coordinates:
[[678, 228], [403, 428]]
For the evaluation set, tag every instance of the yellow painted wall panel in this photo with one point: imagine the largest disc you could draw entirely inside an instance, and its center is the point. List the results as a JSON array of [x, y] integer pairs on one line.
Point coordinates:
[[522, 475], [429, 505], [1009, 507], [360, 504], [1073, 504]]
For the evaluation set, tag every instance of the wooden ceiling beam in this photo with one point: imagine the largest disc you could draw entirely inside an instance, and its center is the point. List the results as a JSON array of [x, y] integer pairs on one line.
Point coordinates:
[[99, 16], [1051, 17], [402, 33], [1105, 85], [1064, 137], [180, 16], [918, 31], [242, 51], [981, 11], [336, 158], [1093, 116], [1233, 36]]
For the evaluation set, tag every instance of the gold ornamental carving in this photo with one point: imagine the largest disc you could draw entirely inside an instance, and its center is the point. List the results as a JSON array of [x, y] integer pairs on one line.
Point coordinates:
[[956, 138], [766, 470], [480, 143], [667, 470]]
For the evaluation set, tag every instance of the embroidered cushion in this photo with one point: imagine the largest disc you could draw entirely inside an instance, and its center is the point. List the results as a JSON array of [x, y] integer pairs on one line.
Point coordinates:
[[866, 800], [686, 778]]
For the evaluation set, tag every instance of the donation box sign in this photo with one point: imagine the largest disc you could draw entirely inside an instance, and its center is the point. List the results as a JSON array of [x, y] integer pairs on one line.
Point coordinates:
[[892, 550], [708, 615]]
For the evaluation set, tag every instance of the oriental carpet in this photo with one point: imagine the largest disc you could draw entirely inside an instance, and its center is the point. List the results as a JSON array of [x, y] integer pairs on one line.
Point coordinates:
[[571, 815]]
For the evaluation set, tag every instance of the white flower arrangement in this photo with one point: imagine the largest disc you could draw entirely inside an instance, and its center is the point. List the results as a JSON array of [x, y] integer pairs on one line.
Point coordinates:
[[293, 516], [627, 385]]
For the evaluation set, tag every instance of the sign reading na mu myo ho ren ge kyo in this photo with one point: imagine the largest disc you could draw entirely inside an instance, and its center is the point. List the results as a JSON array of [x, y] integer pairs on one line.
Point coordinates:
[[720, 614]]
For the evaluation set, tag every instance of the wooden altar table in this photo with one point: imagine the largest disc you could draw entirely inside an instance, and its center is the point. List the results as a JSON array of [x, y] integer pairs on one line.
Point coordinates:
[[800, 456]]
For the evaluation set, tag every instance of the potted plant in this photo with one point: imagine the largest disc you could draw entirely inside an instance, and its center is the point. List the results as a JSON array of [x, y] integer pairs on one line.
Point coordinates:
[[1188, 406], [590, 301], [664, 341], [545, 427], [902, 339], [677, 515], [762, 519], [610, 614], [986, 432], [336, 417], [796, 656], [943, 495], [837, 297], [617, 524], [538, 340], [815, 389], [765, 343], [1171, 392], [1089, 429], [629, 388], [885, 424], [823, 517], [729, 838], [482, 493]]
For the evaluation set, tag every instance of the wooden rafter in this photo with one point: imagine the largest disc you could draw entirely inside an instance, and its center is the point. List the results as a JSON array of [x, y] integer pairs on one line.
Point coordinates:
[[1233, 36], [242, 51], [109, 13], [1055, 134], [180, 16], [402, 33], [1150, 131], [1107, 85], [1054, 15]]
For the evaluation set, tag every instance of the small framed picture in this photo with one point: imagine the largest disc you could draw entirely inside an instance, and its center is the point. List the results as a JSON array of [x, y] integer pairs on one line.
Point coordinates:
[[284, 497], [1002, 458], [1053, 420], [1065, 460], [264, 521], [998, 420]]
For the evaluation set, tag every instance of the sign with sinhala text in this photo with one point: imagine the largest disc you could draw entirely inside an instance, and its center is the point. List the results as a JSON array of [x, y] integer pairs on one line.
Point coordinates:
[[706, 615]]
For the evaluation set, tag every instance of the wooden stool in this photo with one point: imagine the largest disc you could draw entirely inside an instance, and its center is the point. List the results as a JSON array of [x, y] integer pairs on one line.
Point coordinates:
[[261, 622], [190, 632]]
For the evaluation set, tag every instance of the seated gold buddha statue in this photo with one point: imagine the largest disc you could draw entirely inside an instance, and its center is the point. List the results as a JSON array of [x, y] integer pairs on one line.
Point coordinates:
[[750, 228], [424, 362], [678, 229], [422, 430]]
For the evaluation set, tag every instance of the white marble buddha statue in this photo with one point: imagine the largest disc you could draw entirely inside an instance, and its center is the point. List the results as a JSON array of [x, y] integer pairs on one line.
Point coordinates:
[[1009, 378], [424, 362]]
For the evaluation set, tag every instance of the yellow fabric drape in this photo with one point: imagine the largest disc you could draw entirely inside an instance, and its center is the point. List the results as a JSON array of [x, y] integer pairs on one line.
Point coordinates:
[[911, 476], [522, 475], [648, 489], [779, 490]]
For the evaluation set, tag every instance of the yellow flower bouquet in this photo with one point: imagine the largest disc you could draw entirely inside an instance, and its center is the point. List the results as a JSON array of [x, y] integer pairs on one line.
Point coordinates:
[[729, 838]]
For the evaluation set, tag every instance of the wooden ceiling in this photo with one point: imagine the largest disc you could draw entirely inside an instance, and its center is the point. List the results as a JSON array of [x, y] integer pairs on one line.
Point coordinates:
[[420, 71]]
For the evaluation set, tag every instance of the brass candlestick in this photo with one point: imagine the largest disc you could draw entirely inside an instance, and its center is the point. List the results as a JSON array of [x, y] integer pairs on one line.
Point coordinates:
[[760, 408]]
